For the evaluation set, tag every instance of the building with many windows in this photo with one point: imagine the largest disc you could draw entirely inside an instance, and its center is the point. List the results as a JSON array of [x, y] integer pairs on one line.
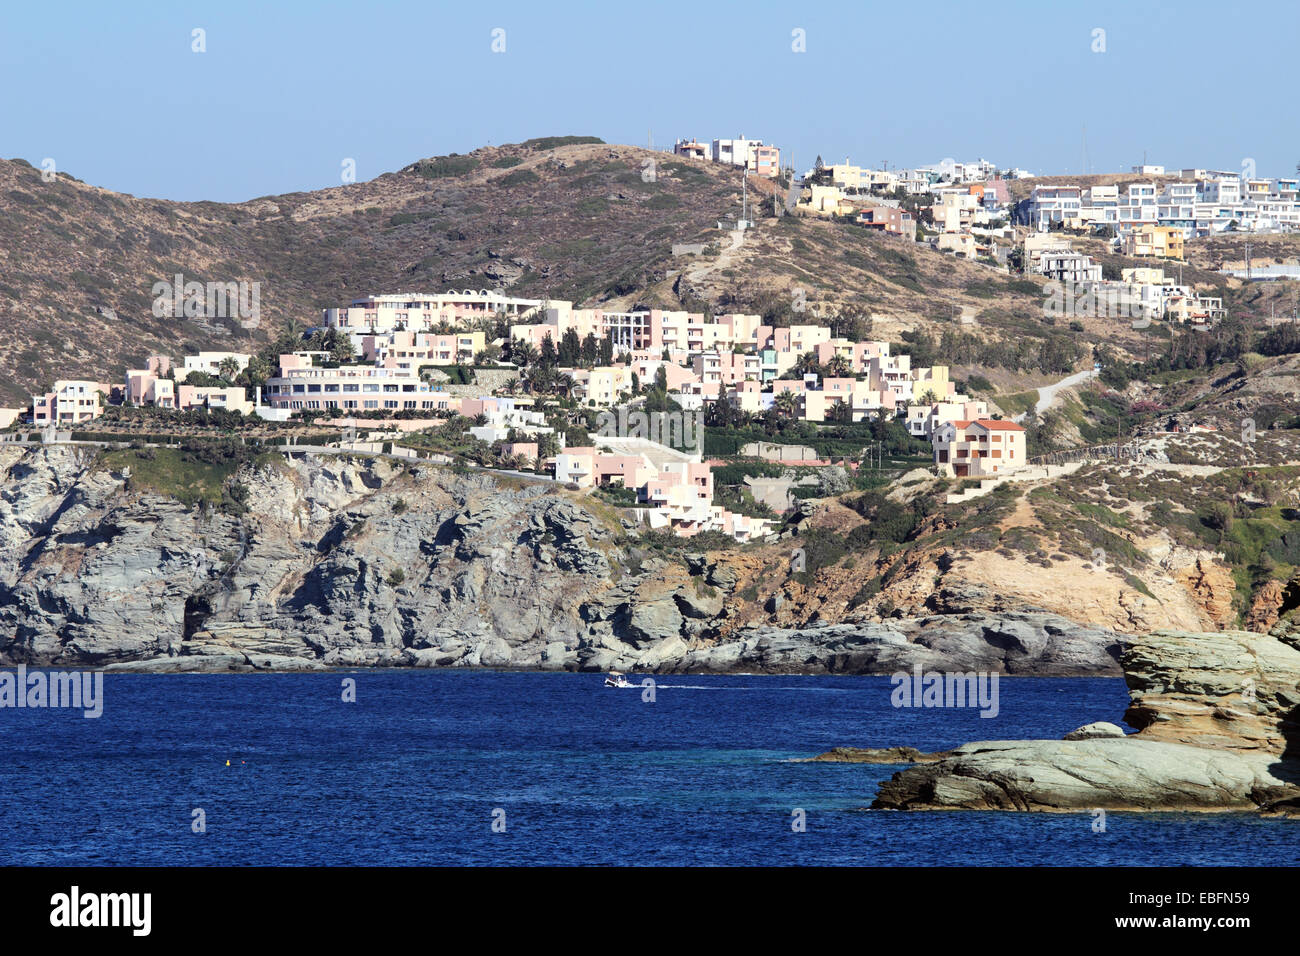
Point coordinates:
[[302, 384], [979, 448], [71, 402]]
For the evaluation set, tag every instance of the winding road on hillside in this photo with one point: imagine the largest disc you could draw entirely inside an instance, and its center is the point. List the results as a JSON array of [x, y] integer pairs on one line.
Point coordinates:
[[1047, 394]]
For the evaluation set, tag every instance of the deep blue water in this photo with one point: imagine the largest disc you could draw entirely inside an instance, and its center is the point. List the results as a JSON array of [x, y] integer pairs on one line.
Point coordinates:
[[412, 772]]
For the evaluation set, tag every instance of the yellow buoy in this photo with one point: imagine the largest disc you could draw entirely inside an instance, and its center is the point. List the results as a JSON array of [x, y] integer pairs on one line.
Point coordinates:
[[227, 763]]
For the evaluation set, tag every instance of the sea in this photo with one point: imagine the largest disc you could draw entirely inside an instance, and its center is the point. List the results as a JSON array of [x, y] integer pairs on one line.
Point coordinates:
[[482, 768]]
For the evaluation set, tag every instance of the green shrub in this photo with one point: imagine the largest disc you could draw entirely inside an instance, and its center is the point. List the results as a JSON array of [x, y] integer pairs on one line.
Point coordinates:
[[551, 142], [441, 167]]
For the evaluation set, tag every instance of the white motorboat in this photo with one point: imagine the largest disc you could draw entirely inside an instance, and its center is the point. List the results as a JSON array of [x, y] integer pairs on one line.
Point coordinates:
[[615, 679]]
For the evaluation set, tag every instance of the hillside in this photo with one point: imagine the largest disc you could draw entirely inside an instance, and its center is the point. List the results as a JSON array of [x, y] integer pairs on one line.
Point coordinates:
[[574, 220], [568, 221]]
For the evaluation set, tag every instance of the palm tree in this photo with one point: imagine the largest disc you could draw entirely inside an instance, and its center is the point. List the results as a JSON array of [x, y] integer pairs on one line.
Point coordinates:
[[838, 366], [786, 404], [522, 353], [228, 368]]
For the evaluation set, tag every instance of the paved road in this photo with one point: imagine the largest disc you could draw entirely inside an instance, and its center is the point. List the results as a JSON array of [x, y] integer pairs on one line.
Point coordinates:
[[792, 197], [1047, 394]]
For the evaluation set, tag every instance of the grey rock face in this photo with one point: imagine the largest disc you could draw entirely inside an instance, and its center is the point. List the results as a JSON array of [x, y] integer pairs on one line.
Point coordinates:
[[359, 562], [1013, 643], [1109, 773]]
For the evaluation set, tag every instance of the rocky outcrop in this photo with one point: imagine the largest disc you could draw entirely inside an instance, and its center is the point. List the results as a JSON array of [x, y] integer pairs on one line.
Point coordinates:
[[878, 755], [1273, 600], [1011, 643], [1103, 773], [1097, 729], [1216, 714], [1211, 586]]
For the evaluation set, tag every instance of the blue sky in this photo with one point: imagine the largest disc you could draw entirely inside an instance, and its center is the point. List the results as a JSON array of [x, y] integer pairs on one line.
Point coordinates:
[[287, 91]]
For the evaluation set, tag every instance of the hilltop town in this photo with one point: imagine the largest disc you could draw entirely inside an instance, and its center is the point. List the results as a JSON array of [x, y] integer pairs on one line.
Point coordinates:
[[845, 459]]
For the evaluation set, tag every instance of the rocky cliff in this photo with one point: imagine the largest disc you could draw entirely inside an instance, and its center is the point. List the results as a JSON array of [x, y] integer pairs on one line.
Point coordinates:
[[333, 561]]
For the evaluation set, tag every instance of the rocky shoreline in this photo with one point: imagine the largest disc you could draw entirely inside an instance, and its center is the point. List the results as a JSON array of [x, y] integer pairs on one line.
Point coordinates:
[[338, 562], [1022, 643], [1217, 718]]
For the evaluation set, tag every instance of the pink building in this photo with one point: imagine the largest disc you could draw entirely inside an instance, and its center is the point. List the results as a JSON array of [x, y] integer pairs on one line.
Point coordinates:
[[677, 494], [646, 370], [234, 399], [72, 401], [410, 350], [976, 449], [150, 385], [727, 368], [857, 354], [766, 161]]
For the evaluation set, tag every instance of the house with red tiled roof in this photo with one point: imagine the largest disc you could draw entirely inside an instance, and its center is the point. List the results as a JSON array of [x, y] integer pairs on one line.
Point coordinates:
[[978, 448]]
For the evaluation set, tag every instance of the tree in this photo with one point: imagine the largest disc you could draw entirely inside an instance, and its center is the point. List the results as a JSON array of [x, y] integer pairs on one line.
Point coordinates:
[[547, 446], [522, 353], [548, 356], [832, 480], [806, 364], [841, 413], [786, 403], [340, 347], [228, 368], [255, 373], [570, 353], [720, 414]]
